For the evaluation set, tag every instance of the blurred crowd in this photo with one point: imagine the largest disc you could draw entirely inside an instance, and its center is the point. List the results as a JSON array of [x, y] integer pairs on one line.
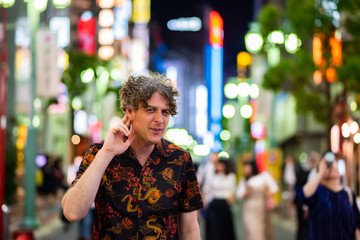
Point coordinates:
[[310, 188], [313, 188], [220, 190]]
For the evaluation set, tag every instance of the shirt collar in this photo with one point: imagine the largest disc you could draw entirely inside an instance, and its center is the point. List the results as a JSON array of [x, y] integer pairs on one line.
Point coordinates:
[[161, 148]]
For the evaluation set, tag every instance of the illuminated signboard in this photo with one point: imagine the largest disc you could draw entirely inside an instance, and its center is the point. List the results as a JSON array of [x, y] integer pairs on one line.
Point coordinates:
[[141, 11], [214, 82], [216, 34], [120, 26], [61, 25], [86, 33], [192, 24]]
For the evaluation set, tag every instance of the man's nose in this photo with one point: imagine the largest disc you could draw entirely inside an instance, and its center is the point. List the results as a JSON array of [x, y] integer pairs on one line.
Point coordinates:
[[158, 116]]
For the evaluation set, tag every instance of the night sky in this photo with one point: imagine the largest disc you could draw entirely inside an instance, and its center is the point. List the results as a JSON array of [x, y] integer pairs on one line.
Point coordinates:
[[236, 14]]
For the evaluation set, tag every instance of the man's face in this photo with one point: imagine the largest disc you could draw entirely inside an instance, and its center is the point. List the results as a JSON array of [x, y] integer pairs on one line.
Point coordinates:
[[150, 123]]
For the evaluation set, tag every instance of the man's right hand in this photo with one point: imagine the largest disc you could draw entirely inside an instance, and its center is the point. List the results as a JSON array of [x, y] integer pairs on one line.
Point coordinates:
[[119, 138]]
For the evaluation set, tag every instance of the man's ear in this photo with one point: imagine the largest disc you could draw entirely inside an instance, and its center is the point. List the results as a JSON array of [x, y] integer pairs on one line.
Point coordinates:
[[129, 112]]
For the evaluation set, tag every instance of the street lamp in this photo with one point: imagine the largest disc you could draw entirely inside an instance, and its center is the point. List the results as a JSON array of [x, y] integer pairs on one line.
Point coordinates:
[[253, 39], [7, 3]]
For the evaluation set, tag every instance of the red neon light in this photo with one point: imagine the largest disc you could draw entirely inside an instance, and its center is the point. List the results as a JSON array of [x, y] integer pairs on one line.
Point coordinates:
[[86, 35], [216, 37]]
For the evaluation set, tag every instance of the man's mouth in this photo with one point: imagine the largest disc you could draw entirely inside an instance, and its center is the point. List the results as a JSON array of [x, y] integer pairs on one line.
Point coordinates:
[[156, 129]]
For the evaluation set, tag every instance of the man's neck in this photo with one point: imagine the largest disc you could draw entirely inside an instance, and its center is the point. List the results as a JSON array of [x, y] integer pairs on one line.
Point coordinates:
[[141, 151]]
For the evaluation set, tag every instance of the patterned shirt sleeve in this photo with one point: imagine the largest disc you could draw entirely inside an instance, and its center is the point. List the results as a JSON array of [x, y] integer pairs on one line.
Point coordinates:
[[190, 196], [86, 161]]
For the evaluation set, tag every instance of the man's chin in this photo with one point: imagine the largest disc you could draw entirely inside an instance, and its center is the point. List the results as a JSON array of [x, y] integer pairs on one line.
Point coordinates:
[[155, 140]]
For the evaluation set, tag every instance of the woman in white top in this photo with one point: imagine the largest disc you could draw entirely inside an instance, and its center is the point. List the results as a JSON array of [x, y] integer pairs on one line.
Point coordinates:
[[220, 192], [253, 189]]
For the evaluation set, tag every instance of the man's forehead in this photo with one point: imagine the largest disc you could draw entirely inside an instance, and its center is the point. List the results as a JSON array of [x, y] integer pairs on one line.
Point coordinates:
[[156, 103]]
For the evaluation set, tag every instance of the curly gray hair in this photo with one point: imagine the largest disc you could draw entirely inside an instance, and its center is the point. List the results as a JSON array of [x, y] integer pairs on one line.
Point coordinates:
[[139, 89]]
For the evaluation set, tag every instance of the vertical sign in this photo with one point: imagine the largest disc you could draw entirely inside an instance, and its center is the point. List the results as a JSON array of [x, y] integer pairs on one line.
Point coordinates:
[[86, 33], [214, 77], [216, 33], [141, 11], [47, 73]]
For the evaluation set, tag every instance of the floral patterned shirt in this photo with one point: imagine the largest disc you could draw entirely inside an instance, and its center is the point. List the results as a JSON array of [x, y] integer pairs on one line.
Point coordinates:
[[143, 202]]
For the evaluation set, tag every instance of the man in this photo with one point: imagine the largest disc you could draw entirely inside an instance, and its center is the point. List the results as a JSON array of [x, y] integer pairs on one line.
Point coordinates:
[[144, 187]]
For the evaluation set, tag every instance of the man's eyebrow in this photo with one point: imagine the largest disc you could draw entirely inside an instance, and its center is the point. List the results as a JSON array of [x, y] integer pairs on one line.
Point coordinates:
[[151, 106]]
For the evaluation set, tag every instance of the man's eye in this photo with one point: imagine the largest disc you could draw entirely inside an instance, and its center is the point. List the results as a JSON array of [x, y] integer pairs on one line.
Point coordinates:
[[166, 113]]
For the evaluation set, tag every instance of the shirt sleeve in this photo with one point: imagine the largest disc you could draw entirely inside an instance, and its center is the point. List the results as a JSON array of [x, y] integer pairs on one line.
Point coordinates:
[[190, 197], [300, 196], [232, 183], [88, 158], [270, 182]]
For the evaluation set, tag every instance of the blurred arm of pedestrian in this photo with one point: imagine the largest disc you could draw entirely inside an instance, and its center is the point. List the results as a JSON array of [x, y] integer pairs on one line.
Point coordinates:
[[311, 186], [79, 198], [243, 190], [271, 185], [231, 198]]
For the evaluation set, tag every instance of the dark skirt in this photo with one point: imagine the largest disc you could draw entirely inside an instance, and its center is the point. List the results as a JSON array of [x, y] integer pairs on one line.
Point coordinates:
[[219, 222]]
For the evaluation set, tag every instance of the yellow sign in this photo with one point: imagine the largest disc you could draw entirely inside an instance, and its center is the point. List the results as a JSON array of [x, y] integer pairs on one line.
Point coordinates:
[[141, 11]]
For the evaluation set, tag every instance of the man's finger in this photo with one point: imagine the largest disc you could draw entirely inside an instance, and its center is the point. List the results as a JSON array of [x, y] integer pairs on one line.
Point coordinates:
[[121, 128], [127, 123], [125, 118]]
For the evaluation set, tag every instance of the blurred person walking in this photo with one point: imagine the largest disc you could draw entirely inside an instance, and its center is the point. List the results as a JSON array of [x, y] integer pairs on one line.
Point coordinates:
[[333, 212], [220, 193], [144, 186], [289, 176], [205, 174], [289, 180], [254, 189], [305, 171], [52, 177]]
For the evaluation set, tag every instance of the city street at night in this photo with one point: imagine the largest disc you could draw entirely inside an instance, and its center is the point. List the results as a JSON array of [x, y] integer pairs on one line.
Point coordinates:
[[155, 119]]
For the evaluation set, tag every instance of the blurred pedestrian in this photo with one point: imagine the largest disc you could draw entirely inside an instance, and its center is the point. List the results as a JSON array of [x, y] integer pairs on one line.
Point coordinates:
[[59, 175], [305, 171], [144, 186], [289, 180], [48, 188], [205, 174], [220, 191], [255, 189], [289, 176], [333, 212]]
